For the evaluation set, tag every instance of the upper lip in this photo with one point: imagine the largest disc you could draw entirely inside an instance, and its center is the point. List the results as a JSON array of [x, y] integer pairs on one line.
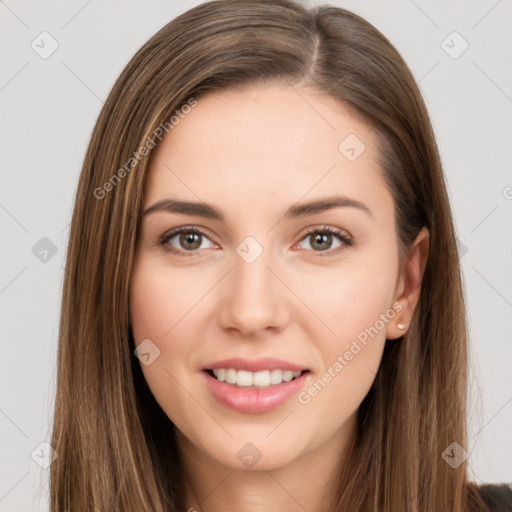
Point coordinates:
[[256, 365]]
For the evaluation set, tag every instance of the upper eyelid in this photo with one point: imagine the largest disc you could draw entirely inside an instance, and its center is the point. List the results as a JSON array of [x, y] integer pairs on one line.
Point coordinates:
[[184, 229], [337, 232]]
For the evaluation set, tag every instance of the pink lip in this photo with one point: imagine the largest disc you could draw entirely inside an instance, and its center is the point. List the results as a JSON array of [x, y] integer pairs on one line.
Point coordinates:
[[253, 401], [257, 365]]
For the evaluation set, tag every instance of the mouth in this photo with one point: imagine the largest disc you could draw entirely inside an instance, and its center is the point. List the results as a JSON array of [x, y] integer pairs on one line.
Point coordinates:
[[254, 392], [254, 380]]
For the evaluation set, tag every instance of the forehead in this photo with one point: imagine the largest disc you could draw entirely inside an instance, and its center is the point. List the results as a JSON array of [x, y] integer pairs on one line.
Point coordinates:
[[261, 144], [266, 121]]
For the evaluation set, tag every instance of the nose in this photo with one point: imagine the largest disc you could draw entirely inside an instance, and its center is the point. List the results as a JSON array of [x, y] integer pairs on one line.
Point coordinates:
[[253, 298]]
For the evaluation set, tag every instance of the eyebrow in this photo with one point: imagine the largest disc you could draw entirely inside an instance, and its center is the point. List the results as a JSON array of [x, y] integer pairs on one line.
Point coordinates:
[[299, 210]]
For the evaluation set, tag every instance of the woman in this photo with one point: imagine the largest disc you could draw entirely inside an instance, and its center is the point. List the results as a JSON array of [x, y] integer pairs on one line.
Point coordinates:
[[262, 307]]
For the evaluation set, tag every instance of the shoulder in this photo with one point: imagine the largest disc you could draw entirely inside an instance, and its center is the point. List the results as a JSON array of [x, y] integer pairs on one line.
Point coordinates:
[[498, 497]]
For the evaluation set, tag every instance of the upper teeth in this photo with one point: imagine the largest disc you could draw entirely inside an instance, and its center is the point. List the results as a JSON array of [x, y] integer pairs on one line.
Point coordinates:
[[262, 379]]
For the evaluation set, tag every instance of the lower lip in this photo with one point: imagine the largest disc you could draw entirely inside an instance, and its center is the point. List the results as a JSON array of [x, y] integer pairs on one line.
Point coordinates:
[[253, 401]]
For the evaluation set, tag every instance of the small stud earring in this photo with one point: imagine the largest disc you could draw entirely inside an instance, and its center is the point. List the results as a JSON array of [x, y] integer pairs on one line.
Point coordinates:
[[401, 326]]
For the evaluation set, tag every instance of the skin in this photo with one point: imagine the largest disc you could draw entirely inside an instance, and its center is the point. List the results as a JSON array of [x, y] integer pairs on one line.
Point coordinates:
[[252, 155]]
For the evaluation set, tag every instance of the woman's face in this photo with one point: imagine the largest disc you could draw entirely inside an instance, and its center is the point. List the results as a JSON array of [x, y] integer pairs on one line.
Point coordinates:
[[256, 284]]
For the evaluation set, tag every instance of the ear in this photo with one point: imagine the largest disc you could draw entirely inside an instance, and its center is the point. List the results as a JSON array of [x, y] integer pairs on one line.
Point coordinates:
[[408, 287]]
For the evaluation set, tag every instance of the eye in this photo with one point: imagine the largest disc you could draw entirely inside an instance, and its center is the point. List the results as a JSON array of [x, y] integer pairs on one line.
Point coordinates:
[[321, 238], [190, 240]]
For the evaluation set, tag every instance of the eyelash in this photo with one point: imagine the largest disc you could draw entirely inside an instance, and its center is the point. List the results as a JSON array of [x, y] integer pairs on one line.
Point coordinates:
[[346, 241]]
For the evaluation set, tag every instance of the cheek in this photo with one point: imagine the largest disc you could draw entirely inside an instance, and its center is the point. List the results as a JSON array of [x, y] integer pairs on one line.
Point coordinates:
[[357, 308], [351, 298], [159, 299], [168, 306], [159, 313]]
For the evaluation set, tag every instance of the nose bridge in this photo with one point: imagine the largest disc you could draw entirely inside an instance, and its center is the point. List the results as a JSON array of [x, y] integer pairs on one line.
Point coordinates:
[[253, 298]]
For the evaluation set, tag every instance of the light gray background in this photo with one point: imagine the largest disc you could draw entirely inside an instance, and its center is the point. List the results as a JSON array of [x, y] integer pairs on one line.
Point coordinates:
[[48, 109]]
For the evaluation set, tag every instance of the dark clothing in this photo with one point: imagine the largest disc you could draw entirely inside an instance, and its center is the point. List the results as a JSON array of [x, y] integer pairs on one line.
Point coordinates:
[[498, 497]]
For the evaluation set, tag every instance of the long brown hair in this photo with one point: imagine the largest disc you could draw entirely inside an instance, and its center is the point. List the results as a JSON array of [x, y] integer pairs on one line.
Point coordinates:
[[116, 448]]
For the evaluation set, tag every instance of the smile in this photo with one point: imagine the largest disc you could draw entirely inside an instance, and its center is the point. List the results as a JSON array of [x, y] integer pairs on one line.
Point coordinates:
[[243, 396], [262, 379]]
